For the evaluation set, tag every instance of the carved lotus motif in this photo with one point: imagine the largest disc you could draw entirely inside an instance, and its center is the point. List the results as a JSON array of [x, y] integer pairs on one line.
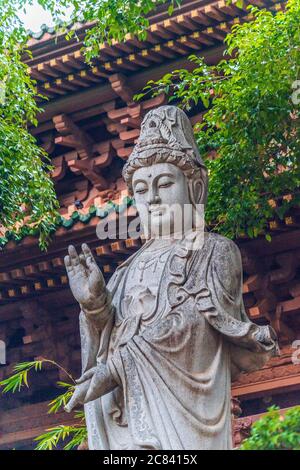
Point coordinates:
[[140, 301]]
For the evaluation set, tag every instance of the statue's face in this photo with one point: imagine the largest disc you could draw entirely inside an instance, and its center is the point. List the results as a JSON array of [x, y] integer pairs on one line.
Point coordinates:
[[162, 197]]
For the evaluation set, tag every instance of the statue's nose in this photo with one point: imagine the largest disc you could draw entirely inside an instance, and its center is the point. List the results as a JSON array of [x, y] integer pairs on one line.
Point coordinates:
[[153, 198]]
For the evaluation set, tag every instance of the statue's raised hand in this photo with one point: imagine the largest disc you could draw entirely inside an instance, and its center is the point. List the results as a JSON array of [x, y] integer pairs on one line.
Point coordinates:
[[86, 280]]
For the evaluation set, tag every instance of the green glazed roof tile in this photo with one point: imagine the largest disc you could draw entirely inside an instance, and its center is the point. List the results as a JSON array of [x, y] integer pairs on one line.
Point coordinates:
[[76, 216], [85, 218]]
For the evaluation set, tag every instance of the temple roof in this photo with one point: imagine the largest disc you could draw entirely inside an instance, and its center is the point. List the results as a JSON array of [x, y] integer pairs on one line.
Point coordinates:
[[90, 121]]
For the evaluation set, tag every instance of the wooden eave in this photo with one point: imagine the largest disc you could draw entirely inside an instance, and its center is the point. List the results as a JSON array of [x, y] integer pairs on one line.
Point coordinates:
[[193, 31]]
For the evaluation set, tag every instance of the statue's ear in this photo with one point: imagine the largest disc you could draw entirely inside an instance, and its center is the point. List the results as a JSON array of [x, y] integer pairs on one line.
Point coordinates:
[[199, 187], [197, 190]]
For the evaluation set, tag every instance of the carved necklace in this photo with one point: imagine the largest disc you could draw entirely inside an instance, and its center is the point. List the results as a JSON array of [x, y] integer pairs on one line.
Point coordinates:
[[152, 261]]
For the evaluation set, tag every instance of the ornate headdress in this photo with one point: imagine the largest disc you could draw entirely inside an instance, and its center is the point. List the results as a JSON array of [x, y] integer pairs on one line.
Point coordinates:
[[166, 136]]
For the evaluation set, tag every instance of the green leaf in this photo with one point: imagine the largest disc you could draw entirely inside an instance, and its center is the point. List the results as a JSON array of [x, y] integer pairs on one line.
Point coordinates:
[[275, 431], [20, 379], [170, 9]]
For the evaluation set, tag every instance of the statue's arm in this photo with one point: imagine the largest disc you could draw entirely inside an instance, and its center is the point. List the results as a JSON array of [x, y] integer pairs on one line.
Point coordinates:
[[251, 345], [103, 310], [88, 286]]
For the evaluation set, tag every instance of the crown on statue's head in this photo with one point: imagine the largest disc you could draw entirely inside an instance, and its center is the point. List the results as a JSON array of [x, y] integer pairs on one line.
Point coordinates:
[[166, 136]]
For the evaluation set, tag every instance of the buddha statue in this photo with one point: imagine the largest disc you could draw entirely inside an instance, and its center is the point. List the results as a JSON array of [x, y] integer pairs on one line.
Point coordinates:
[[162, 341]]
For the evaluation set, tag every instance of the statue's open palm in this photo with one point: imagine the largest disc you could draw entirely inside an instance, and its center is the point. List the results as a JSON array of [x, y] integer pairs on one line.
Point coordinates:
[[86, 280]]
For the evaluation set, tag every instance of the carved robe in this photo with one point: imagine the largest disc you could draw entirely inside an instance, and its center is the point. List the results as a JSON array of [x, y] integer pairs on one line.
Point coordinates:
[[174, 364]]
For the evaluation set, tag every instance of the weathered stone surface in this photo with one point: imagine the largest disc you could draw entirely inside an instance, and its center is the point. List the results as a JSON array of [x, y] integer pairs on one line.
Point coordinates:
[[162, 341]]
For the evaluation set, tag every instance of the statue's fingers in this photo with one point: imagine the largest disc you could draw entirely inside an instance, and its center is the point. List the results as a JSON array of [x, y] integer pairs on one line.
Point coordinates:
[[86, 376], [87, 251], [95, 389], [90, 260], [74, 402], [91, 264], [93, 392], [82, 260], [74, 258], [68, 264], [93, 268]]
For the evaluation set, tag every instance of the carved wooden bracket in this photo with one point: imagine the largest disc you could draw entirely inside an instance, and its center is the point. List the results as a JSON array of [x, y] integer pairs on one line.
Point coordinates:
[[265, 297], [72, 136], [79, 191], [60, 167], [118, 83], [88, 158], [288, 263], [91, 168], [47, 142], [251, 264], [284, 333]]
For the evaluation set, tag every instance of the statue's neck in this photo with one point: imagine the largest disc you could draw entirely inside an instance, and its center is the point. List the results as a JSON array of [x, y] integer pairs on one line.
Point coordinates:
[[162, 243], [168, 240]]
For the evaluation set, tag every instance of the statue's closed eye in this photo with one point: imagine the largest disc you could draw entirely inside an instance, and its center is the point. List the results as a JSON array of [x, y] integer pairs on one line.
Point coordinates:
[[140, 189], [166, 184]]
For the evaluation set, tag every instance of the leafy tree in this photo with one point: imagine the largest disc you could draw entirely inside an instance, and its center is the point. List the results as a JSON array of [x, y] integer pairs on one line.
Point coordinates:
[[275, 431], [252, 121], [26, 191], [111, 20]]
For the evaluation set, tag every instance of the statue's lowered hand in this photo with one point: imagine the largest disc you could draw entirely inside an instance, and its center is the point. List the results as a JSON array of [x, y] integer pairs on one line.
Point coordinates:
[[86, 280], [78, 397], [93, 384]]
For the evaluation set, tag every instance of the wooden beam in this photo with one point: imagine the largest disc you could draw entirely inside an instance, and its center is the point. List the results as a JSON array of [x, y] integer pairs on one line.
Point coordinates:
[[119, 84], [82, 141], [275, 385]]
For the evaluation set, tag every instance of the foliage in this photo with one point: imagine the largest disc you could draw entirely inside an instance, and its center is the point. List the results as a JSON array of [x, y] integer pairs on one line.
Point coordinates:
[[61, 400], [252, 120], [75, 435], [70, 436], [111, 20], [28, 203], [275, 431], [26, 190], [16, 381]]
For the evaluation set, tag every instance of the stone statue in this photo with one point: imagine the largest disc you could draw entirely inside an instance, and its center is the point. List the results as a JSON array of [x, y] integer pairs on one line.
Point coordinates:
[[163, 340]]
